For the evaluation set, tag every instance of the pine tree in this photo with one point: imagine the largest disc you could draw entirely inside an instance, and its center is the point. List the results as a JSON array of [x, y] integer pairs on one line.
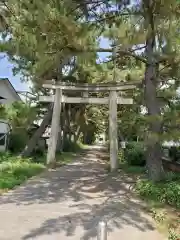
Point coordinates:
[[148, 25], [44, 34], [145, 34]]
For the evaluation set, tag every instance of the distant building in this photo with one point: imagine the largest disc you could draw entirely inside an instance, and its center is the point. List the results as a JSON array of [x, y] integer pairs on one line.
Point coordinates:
[[8, 95]]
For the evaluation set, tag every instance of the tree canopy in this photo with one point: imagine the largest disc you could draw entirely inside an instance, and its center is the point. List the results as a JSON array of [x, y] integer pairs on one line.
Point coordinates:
[[61, 40]]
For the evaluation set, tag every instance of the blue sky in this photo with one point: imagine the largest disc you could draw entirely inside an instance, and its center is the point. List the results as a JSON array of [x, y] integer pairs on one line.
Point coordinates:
[[6, 69], [6, 72]]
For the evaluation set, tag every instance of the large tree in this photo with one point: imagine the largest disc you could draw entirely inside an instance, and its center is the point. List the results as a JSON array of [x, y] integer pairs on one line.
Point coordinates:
[[145, 31], [43, 34]]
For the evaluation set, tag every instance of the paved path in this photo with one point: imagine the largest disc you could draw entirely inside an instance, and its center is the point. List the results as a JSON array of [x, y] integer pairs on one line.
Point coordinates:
[[68, 203]]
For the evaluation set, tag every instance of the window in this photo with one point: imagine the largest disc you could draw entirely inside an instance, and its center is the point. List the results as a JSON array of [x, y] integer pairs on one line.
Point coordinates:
[[2, 139]]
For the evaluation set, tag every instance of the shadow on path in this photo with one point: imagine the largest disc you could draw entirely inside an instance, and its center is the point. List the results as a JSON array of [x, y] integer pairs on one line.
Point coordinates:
[[75, 198]]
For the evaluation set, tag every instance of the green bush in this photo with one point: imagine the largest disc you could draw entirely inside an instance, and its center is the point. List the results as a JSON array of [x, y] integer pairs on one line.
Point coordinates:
[[135, 154], [173, 235], [4, 156], [17, 141], [133, 169], [174, 153], [121, 156], [69, 146], [165, 192]]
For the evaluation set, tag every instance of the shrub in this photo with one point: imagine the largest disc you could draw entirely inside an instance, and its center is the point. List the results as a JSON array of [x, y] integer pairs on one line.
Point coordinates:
[[165, 192], [69, 146], [135, 154], [121, 156], [133, 169], [174, 153], [17, 141], [4, 156], [173, 235]]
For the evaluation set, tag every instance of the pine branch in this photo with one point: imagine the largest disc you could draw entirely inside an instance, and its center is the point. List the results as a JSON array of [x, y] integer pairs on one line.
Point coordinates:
[[7, 7], [113, 17], [106, 50]]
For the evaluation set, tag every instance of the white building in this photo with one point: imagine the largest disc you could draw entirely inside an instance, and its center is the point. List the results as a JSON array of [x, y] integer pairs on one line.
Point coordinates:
[[8, 95]]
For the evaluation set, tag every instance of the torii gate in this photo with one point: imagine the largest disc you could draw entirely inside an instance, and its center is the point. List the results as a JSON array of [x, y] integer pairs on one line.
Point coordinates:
[[112, 101]]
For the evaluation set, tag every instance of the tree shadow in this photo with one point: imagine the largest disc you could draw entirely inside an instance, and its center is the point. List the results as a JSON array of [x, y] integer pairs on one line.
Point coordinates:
[[89, 193], [117, 215]]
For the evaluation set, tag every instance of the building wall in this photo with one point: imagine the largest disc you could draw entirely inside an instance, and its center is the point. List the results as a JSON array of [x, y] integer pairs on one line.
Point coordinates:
[[6, 92], [10, 96], [4, 129], [3, 126]]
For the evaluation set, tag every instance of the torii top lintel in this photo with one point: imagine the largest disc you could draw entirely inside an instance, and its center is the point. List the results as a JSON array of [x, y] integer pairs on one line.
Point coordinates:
[[67, 86]]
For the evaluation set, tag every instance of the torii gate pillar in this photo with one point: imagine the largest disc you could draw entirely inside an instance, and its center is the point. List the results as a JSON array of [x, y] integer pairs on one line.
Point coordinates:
[[113, 137], [55, 128]]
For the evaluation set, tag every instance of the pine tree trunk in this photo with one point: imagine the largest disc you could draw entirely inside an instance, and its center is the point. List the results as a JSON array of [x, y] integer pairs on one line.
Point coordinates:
[[85, 137], [59, 142], [34, 139], [154, 150], [64, 125], [69, 122], [63, 129], [77, 134]]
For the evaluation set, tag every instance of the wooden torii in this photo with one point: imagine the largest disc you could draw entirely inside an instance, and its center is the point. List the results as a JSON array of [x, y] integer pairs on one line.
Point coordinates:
[[112, 101]]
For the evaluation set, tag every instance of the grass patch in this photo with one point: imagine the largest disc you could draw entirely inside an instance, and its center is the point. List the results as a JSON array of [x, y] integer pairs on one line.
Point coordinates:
[[132, 169], [163, 200], [65, 157], [167, 192], [167, 219], [83, 146], [70, 146], [15, 170]]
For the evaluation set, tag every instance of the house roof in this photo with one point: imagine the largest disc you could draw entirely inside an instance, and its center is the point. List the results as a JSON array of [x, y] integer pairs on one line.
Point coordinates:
[[10, 86]]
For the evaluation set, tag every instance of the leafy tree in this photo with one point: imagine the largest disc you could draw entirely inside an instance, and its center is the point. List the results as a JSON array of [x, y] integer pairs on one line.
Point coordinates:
[[47, 34], [148, 25], [20, 116]]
